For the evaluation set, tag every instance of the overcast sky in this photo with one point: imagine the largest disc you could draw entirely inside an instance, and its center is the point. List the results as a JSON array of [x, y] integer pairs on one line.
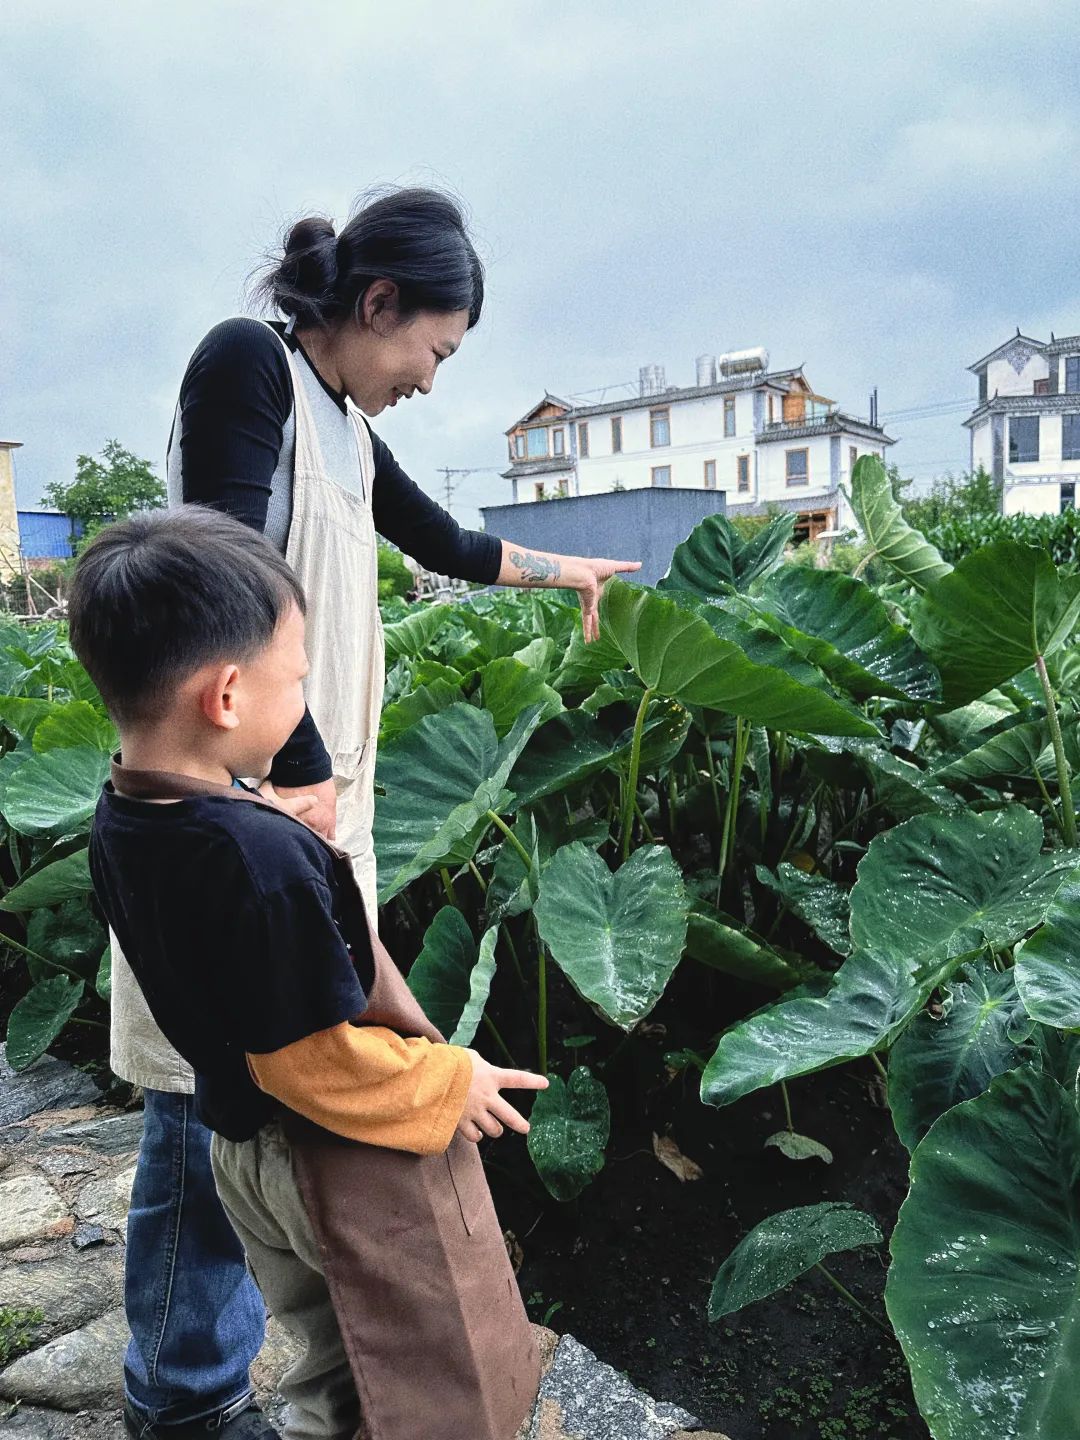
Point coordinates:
[[881, 192]]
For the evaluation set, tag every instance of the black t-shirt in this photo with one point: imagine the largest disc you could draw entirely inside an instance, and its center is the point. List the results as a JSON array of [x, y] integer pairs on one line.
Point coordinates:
[[234, 923]]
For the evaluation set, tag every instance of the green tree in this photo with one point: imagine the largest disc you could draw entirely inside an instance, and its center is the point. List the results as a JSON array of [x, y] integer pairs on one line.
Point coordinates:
[[972, 496], [106, 488], [395, 577]]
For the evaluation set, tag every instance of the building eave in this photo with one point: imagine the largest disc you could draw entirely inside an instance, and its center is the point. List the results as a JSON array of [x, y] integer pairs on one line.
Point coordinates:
[[834, 425], [1028, 339], [1067, 342], [552, 465], [735, 384], [1023, 405], [548, 399]]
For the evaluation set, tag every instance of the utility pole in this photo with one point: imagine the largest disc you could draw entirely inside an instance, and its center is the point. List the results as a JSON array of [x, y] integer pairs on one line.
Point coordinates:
[[448, 471]]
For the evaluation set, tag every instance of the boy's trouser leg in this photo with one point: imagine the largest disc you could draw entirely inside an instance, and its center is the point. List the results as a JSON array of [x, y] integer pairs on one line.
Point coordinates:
[[258, 1190], [197, 1319]]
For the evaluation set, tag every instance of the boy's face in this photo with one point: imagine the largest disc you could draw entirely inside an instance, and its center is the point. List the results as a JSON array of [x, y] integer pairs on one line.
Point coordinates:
[[268, 698]]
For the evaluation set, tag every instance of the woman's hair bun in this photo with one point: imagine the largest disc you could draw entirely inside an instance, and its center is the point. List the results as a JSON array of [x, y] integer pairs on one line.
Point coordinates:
[[414, 237], [303, 282]]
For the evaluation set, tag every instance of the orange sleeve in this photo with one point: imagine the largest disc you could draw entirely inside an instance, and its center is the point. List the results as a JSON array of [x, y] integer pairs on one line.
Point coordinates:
[[368, 1083]]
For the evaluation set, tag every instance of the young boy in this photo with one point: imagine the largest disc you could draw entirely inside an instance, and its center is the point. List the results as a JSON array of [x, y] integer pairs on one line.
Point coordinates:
[[342, 1122]]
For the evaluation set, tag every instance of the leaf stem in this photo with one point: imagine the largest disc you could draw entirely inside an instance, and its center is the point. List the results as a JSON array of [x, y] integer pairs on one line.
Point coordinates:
[[478, 877], [712, 775], [448, 886], [787, 1104], [542, 1009], [499, 1041], [33, 955], [846, 1293], [1068, 813], [630, 794], [879, 1067], [1048, 801], [738, 759], [498, 821]]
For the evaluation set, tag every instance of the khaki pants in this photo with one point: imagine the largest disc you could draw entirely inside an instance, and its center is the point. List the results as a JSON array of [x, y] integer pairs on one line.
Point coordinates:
[[256, 1185]]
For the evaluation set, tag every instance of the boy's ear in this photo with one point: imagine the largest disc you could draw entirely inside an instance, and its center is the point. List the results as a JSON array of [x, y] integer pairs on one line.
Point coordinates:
[[217, 697]]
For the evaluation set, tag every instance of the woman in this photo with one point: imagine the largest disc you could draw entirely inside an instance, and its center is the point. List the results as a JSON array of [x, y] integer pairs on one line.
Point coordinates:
[[270, 426]]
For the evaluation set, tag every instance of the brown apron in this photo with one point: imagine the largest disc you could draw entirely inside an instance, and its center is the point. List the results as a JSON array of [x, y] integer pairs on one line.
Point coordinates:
[[429, 1309]]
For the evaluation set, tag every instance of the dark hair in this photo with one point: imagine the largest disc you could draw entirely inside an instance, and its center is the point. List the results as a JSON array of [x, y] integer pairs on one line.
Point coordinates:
[[416, 238], [159, 595]]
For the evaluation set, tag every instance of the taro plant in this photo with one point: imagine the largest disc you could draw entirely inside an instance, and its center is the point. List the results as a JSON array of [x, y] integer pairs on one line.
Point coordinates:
[[56, 742]]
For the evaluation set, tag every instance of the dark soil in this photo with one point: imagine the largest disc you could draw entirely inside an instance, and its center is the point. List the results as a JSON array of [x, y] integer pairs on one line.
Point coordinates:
[[627, 1267]]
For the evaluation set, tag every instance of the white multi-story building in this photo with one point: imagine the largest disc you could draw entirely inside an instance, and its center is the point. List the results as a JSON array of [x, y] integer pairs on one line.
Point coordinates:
[[1025, 430], [766, 438]]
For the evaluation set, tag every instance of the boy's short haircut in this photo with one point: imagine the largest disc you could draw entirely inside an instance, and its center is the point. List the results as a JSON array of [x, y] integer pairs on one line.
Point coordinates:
[[157, 596]]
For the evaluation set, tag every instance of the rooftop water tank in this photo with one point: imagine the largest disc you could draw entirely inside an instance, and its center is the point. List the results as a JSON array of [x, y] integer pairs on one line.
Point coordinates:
[[743, 362], [706, 370]]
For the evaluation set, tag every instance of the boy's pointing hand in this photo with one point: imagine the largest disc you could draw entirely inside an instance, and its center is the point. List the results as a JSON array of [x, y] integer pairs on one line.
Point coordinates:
[[486, 1112]]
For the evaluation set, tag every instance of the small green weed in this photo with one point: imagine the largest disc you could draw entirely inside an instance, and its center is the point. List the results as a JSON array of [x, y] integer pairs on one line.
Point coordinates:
[[17, 1328]]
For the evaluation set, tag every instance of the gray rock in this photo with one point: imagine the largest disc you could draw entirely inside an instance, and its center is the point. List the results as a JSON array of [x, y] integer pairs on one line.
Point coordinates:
[[69, 1288], [80, 1371], [111, 1135], [87, 1235], [29, 1423], [48, 1084], [105, 1201], [583, 1399], [30, 1209]]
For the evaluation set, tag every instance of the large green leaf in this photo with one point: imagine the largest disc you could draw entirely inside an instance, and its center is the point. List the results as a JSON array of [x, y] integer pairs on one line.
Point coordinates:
[[39, 1017], [817, 901], [617, 937], [983, 1291], [569, 1128], [494, 640], [70, 936], [704, 656], [75, 725], [55, 792], [63, 879], [883, 524], [450, 978], [871, 998], [1015, 748], [440, 779], [840, 625], [714, 558], [1048, 965], [937, 1063], [574, 746], [942, 886], [785, 1246], [414, 634], [899, 786], [586, 663], [22, 715], [733, 952], [1001, 608], [415, 704], [507, 687]]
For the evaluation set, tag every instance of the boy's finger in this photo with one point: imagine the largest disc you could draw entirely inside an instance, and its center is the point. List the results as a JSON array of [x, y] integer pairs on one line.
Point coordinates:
[[520, 1080]]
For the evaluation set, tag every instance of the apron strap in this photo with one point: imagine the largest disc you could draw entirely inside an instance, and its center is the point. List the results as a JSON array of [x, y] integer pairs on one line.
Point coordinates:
[[308, 457]]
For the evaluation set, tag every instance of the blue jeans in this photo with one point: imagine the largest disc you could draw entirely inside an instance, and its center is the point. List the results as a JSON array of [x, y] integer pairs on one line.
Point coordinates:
[[196, 1316]]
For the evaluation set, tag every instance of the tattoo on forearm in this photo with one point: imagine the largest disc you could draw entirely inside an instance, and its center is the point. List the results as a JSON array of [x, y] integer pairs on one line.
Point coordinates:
[[535, 569]]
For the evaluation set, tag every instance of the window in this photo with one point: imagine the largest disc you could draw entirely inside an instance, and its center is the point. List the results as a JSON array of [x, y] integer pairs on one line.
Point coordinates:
[[661, 476], [519, 446], [742, 472], [659, 428], [729, 415], [982, 387], [710, 474], [797, 464], [616, 435], [583, 439], [538, 443], [1023, 438], [1070, 437], [1042, 387], [559, 440], [1072, 375], [770, 408], [538, 490], [852, 456], [1068, 496], [561, 489]]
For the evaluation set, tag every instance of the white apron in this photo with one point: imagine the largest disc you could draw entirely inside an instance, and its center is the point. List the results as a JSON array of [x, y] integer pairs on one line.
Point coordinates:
[[333, 551]]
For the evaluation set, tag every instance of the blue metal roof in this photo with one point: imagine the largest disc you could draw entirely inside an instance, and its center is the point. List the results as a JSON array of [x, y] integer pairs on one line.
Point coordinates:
[[46, 534]]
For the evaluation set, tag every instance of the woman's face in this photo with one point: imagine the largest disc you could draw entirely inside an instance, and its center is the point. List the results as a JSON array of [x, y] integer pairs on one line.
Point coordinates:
[[387, 359]]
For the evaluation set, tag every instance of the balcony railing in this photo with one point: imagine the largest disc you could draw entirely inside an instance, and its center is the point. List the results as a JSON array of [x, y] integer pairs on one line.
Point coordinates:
[[813, 415]]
